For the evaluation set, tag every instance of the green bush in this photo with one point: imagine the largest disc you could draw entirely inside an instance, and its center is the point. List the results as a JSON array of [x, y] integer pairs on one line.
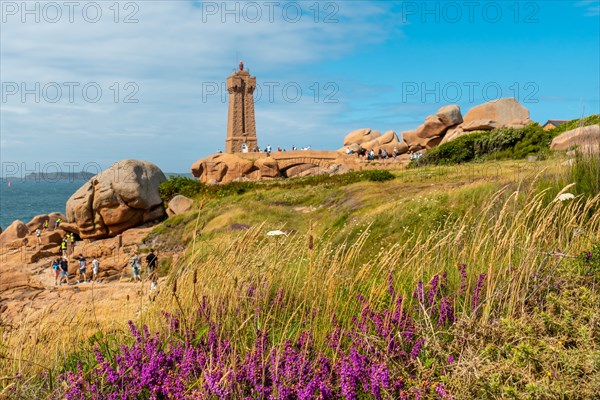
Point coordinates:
[[378, 175], [179, 185], [576, 123], [497, 140], [585, 172], [459, 150], [515, 143], [502, 143]]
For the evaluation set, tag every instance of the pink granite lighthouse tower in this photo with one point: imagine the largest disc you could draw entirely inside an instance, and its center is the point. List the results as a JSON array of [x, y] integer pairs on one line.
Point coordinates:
[[241, 125]]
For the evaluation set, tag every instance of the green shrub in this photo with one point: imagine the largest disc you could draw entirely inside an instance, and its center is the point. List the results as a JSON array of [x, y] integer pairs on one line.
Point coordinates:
[[515, 143], [585, 172], [191, 187], [378, 175], [576, 123], [497, 140], [502, 143], [179, 185], [459, 150]]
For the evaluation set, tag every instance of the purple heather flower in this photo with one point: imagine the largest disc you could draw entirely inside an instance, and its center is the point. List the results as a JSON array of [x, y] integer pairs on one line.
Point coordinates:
[[390, 282], [444, 280], [373, 360], [432, 290], [476, 298], [446, 314], [588, 256], [416, 350], [463, 278], [419, 294], [440, 389]]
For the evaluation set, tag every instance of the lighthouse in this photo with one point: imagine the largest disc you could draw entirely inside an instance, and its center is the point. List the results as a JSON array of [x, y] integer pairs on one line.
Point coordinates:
[[241, 125]]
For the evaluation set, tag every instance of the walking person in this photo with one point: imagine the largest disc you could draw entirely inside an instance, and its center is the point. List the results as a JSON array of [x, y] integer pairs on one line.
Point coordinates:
[[71, 237], [38, 234], [95, 269], [45, 227], [63, 265], [82, 267], [63, 247], [151, 261], [55, 270], [135, 264]]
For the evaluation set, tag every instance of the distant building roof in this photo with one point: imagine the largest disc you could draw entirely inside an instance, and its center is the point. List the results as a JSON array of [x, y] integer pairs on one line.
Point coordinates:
[[556, 122]]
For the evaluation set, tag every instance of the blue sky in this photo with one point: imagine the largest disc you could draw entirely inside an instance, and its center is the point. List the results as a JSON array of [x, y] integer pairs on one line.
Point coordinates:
[[383, 65]]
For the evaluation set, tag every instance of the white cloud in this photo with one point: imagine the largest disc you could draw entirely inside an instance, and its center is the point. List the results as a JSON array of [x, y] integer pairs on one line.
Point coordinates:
[[15, 110], [168, 54], [592, 7]]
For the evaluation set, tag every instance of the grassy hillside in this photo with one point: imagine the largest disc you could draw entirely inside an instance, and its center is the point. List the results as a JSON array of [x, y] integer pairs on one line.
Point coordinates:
[[468, 281]]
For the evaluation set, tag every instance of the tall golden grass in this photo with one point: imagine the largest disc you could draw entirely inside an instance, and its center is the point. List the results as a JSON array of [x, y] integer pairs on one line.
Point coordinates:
[[514, 239], [290, 284]]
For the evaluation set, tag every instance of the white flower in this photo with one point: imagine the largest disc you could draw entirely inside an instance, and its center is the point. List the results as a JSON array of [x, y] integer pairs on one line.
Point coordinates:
[[276, 233], [565, 196]]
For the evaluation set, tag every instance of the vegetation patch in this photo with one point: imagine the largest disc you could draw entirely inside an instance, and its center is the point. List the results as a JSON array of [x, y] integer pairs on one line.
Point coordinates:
[[502, 143]]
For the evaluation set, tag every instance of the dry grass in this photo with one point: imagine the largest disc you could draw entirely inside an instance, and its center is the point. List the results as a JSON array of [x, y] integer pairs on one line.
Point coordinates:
[[513, 236]]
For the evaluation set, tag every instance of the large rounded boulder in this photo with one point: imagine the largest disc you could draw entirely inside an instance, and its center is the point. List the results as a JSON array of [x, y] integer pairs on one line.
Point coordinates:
[[223, 168], [500, 113], [586, 138], [179, 205], [361, 136], [122, 197], [16, 230]]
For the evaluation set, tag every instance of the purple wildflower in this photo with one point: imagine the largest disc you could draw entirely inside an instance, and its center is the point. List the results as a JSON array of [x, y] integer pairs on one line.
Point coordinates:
[[446, 314], [432, 290], [419, 294], [390, 282], [476, 298], [463, 278], [416, 350], [440, 389]]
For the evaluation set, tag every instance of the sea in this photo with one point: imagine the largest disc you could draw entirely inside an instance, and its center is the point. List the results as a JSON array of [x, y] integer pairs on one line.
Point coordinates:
[[24, 199]]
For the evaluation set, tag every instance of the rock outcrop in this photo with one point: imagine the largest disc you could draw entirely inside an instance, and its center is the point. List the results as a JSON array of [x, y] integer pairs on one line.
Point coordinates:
[[432, 131], [367, 139], [501, 113], [361, 136], [52, 237], [222, 167], [122, 197], [585, 138], [37, 222], [438, 124], [179, 205], [388, 142], [453, 134], [450, 115], [239, 167], [16, 230], [479, 125], [268, 168]]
